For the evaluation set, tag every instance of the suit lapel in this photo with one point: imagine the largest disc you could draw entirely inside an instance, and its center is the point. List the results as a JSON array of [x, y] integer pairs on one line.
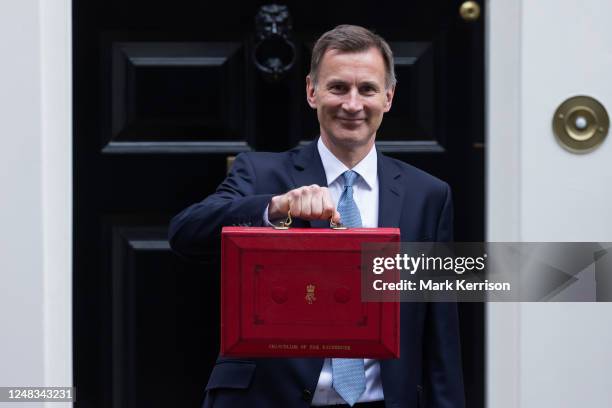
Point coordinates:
[[307, 170], [391, 193]]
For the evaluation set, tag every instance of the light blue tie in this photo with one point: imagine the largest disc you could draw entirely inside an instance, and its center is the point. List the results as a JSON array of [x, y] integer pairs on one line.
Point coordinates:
[[349, 213], [348, 374]]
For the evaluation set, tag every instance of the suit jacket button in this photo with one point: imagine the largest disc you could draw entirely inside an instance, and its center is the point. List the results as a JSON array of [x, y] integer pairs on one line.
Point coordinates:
[[307, 395]]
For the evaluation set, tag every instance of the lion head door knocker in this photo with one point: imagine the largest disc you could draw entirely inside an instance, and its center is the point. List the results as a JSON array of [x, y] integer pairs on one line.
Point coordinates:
[[274, 53]]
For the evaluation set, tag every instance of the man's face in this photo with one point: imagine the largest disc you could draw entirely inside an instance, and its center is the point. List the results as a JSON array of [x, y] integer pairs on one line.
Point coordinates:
[[350, 97]]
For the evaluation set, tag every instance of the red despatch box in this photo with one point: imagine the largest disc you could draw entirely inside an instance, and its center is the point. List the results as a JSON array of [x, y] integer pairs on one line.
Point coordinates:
[[297, 293]]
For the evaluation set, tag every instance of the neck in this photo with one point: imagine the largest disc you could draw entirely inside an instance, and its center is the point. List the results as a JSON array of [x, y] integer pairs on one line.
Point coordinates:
[[349, 156]]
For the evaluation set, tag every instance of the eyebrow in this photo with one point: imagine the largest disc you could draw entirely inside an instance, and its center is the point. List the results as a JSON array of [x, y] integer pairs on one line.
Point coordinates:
[[338, 81], [370, 84], [335, 81]]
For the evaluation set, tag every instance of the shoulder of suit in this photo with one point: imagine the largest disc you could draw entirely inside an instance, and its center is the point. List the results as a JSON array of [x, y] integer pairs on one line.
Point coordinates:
[[416, 176], [264, 163], [272, 158], [266, 157]]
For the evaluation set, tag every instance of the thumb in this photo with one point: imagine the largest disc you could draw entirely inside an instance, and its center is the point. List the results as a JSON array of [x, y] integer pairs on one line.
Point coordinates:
[[336, 217]]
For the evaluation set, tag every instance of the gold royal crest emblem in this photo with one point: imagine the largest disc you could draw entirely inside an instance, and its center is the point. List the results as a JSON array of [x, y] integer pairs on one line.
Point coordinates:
[[310, 294]]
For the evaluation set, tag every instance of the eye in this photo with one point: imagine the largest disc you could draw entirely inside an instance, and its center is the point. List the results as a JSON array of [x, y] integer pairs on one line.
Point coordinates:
[[337, 88], [367, 90]]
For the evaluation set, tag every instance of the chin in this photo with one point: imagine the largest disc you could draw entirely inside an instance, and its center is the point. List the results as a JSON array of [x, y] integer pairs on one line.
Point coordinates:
[[351, 139]]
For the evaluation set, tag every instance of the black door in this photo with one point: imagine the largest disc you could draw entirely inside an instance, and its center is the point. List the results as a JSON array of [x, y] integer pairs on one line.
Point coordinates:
[[165, 93]]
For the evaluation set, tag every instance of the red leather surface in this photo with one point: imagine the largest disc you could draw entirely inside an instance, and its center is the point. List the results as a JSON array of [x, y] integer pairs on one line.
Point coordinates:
[[297, 293]]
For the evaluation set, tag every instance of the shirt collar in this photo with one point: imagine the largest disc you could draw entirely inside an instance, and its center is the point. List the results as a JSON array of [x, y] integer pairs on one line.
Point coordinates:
[[367, 167]]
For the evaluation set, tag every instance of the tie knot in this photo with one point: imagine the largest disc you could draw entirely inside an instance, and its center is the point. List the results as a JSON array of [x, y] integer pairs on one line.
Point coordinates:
[[349, 177]]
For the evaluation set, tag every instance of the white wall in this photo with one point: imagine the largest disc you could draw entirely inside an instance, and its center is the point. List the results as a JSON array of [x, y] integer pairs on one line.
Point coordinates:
[[540, 53], [21, 259], [56, 93], [35, 186]]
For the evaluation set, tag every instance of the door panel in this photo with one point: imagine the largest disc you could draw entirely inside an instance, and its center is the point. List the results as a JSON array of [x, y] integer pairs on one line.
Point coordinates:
[[163, 94]]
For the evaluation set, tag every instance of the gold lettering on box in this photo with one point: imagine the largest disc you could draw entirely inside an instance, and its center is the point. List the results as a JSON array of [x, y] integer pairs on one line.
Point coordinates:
[[285, 346]]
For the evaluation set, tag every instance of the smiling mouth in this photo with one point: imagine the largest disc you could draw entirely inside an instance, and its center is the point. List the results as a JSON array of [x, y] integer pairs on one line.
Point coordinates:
[[351, 119]]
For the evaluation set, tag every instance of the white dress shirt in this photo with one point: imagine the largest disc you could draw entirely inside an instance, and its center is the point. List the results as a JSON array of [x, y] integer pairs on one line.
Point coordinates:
[[365, 194]]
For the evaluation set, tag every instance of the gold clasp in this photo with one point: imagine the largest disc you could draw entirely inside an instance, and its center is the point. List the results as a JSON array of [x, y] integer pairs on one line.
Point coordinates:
[[284, 225], [335, 226]]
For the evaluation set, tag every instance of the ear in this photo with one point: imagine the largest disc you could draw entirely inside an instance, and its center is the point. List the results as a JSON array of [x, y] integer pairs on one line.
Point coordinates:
[[389, 95], [310, 93]]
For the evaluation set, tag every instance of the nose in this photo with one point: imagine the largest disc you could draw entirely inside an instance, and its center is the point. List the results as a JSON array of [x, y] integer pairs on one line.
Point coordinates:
[[352, 102]]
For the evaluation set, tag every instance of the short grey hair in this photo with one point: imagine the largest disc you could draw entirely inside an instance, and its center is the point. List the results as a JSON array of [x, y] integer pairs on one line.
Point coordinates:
[[352, 38]]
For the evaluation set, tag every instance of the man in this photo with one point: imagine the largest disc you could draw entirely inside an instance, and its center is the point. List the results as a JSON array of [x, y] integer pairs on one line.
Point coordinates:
[[340, 177]]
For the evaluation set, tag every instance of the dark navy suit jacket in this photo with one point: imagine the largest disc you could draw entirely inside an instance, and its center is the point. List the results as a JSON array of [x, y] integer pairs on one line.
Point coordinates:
[[428, 372]]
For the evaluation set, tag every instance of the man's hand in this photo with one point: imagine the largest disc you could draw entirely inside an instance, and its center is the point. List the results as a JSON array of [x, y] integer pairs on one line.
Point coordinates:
[[308, 202]]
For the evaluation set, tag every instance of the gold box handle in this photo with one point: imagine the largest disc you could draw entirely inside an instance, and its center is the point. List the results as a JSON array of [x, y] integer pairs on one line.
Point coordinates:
[[286, 224]]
